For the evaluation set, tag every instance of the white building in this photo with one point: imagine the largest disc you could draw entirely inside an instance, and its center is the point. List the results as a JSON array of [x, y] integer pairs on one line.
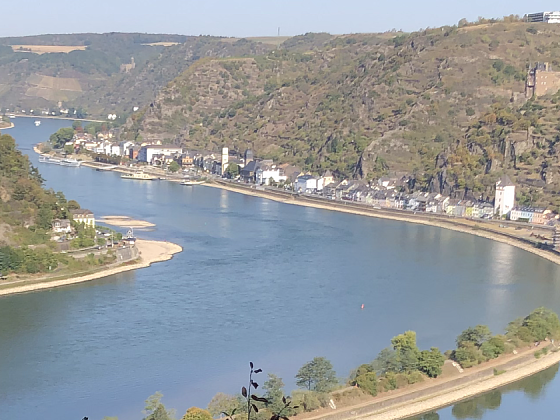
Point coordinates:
[[308, 183], [547, 17], [146, 153], [125, 146], [264, 173], [505, 196], [83, 216], [225, 159]]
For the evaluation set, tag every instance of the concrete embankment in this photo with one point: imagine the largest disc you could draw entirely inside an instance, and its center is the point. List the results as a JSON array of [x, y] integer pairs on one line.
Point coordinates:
[[449, 392], [149, 252]]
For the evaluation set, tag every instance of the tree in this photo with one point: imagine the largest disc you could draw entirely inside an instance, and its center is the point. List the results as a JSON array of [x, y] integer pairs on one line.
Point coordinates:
[[274, 394], [62, 136], [73, 205], [174, 167], [222, 403], [195, 413], [476, 335], [493, 347], [317, 375], [386, 361], [232, 170], [542, 323], [430, 362], [368, 382], [155, 410], [407, 351]]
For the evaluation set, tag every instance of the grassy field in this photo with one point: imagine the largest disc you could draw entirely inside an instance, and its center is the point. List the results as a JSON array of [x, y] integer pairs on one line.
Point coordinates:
[[42, 49], [162, 44], [272, 40]]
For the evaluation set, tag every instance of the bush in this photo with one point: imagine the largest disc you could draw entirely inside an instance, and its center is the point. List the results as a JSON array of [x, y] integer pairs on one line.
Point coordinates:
[[415, 377], [308, 400], [468, 355], [368, 382], [493, 347], [401, 380]]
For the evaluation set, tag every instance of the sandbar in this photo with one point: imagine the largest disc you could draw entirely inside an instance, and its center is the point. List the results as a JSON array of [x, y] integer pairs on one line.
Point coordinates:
[[125, 221]]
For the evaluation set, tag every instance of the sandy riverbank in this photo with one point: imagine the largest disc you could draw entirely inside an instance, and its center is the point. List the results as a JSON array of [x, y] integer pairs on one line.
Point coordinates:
[[150, 252], [455, 225], [125, 221], [5, 127]]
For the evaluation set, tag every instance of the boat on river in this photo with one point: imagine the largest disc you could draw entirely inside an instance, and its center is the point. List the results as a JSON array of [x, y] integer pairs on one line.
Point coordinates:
[[70, 162], [191, 182], [49, 159], [37, 123], [140, 176]]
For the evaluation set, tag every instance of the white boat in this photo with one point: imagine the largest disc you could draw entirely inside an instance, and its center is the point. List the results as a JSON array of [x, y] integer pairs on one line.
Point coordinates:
[[70, 162], [190, 183], [140, 176], [37, 123], [49, 159], [11, 116]]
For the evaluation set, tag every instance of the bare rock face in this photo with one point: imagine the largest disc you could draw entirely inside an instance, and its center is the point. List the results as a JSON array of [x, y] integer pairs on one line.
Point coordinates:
[[4, 195], [367, 159], [439, 183]]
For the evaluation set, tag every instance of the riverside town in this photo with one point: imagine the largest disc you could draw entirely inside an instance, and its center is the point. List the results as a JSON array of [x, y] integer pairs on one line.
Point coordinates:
[[320, 211]]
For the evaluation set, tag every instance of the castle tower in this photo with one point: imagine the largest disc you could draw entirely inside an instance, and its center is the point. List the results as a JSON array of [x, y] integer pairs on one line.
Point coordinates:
[[225, 159], [248, 156], [505, 196]]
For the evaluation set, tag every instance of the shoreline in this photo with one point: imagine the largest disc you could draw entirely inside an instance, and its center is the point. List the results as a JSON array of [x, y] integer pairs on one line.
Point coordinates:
[[150, 251], [451, 224], [466, 391], [52, 117], [7, 128]]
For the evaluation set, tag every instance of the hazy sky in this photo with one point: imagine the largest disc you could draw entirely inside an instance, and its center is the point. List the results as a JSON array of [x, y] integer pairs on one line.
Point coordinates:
[[247, 17]]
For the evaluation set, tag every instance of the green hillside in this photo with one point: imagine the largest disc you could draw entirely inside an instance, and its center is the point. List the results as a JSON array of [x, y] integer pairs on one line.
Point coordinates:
[[91, 79], [444, 105]]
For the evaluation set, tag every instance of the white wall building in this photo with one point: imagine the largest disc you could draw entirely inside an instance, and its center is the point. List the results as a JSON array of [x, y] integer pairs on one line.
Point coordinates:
[[146, 153], [308, 183], [264, 173], [547, 17], [225, 159], [505, 196]]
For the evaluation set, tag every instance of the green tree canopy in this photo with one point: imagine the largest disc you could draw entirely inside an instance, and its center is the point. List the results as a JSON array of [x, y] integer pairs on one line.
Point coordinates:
[[223, 403], [174, 167], [431, 362], [407, 351], [317, 375], [274, 392], [62, 136], [476, 335], [195, 413]]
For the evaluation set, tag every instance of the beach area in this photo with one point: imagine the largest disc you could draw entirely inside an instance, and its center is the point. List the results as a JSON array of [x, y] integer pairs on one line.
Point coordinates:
[[150, 252]]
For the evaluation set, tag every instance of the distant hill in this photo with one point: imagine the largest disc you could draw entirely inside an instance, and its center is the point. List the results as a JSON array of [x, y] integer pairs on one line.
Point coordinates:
[[444, 105], [101, 73]]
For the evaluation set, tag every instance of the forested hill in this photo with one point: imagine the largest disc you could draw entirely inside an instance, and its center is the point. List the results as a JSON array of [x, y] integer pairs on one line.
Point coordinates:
[[93, 73], [444, 105], [26, 208]]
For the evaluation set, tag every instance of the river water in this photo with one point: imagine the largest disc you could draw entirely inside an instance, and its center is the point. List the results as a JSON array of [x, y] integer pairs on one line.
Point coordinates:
[[257, 281]]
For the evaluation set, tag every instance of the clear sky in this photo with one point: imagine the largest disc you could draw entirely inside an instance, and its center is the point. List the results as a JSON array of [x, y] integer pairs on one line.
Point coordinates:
[[248, 17]]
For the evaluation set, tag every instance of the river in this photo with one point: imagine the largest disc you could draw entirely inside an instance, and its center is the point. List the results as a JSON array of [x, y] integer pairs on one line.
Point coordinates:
[[257, 281]]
